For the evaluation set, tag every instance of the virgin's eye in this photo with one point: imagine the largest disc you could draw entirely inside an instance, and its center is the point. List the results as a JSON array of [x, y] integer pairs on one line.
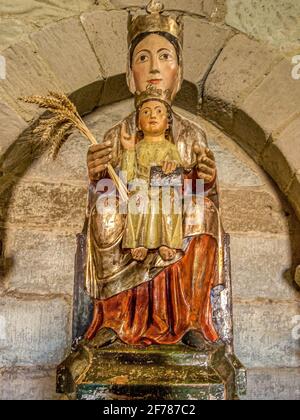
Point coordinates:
[[142, 58], [165, 56]]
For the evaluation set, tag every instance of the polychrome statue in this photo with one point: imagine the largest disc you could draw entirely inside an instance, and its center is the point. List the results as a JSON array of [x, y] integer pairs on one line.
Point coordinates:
[[152, 301], [122, 286]]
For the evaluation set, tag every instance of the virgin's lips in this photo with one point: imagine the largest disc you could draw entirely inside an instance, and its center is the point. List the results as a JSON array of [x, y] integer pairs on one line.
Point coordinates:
[[154, 81]]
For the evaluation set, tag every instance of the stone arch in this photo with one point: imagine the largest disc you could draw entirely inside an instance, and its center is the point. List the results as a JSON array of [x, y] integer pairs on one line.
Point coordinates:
[[232, 84], [73, 55]]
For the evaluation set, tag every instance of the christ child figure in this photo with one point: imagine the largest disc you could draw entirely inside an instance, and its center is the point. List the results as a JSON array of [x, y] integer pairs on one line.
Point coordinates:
[[154, 227]]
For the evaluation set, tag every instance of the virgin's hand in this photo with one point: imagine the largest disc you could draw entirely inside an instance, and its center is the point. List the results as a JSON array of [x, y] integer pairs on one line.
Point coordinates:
[[127, 139], [98, 157], [206, 164]]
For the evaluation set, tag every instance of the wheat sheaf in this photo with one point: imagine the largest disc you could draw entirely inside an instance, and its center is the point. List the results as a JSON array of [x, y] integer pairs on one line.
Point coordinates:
[[53, 132]]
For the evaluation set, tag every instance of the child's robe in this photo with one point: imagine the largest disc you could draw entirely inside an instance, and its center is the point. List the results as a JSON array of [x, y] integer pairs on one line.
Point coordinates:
[[154, 216]]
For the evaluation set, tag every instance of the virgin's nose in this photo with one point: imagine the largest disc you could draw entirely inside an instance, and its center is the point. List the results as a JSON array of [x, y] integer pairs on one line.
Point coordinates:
[[154, 64]]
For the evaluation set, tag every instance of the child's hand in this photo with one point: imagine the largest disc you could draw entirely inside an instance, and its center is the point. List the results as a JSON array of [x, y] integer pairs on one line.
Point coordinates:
[[127, 140], [169, 167]]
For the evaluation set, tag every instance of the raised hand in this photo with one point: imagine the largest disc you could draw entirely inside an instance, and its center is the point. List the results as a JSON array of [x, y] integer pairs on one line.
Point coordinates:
[[127, 139], [98, 157], [206, 164]]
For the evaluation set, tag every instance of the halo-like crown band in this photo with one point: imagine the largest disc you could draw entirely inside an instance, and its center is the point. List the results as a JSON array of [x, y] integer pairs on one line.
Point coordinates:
[[155, 21], [152, 93]]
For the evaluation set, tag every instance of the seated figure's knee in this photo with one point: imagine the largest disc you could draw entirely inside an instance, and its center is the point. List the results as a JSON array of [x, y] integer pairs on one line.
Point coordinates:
[[108, 222]]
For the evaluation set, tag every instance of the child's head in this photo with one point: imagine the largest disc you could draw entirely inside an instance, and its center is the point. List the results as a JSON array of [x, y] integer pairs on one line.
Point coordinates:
[[154, 118]]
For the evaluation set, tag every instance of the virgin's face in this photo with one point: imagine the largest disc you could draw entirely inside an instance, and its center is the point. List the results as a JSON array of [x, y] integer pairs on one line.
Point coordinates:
[[155, 62], [153, 118]]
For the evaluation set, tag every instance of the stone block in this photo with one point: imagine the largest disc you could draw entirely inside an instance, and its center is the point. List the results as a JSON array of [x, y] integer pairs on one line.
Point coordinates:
[[11, 126], [22, 17], [233, 168], [48, 10], [276, 22], [215, 9], [45, 205], [193, 6], [41, 262], [268, 108], [69, 166], [26, 74], [16, 161], [27, 384], [66, 48], [281, 158], [241, 66], [199, 56], [12, 30], [34, 332], [107, 32], [256, 273], [250, 210], [273, 384], [264, 333]]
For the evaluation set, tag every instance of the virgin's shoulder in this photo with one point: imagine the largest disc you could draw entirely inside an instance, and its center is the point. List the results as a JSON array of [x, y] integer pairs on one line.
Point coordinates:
[[186, 126]]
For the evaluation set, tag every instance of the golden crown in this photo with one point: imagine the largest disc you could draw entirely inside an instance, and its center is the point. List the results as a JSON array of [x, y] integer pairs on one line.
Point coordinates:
[[155, 21], [152, 93]]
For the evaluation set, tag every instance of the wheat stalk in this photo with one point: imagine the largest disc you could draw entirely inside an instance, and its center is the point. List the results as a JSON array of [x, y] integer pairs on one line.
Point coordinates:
[[60, 137], [54, 131]]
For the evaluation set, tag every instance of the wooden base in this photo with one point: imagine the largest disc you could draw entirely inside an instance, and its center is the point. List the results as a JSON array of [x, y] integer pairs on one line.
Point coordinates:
[[175, 372]]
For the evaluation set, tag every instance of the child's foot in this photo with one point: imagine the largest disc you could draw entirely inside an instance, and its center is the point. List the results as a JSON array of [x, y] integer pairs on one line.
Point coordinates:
[[167, 254], [139, 254]]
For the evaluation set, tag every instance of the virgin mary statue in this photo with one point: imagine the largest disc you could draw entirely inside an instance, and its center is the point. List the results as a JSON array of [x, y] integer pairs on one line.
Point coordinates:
[[154, 301]]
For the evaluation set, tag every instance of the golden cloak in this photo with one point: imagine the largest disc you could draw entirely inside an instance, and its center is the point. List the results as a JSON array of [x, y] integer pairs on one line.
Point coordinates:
[[110, 271]]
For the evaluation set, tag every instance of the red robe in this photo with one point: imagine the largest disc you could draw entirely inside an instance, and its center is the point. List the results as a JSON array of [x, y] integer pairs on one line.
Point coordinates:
[[164, 309]]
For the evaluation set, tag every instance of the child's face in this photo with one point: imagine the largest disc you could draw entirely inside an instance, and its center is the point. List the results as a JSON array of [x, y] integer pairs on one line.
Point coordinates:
[[153, 118]]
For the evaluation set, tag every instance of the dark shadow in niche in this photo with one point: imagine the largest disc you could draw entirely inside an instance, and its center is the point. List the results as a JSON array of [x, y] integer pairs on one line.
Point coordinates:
[[14, 164], [293, 224], [6, 262]]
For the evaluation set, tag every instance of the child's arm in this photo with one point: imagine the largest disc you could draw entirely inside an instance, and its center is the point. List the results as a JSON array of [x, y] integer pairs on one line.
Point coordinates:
[[128, 155]]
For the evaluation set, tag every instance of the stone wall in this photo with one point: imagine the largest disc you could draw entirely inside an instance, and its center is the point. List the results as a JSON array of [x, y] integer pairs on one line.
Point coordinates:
[[46, 212], [21, 17], [276, 22], [243, 86]]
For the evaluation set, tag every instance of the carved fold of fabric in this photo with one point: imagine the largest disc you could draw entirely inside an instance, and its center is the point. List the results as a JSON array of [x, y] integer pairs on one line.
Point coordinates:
[[162, 310], [151, 226], [110, 270]]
